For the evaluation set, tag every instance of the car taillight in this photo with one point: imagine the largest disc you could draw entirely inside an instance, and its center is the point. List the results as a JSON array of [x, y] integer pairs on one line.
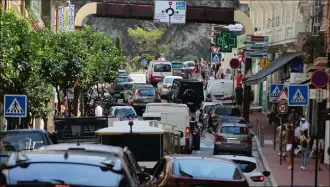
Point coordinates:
[[228, 98], [258, 178], [112, 85], [183, 70], [179, 100], [164, 85], [187, 131], [2, 185], [219, 138], [247, 140]]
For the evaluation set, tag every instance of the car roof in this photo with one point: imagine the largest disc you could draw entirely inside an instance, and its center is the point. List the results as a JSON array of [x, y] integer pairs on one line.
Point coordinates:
[[61, 156], [87, 147], [233, 124], [224, 106], [24, 130], [159, 61], [122, 71], [211, 103], [142, 85], [233, 117], [122, 107], [234, 157], [171, 76], [189, 80], [193, 157]]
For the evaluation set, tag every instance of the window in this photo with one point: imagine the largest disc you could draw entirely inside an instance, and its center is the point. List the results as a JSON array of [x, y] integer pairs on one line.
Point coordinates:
[[316, 30], [207, 108], [246, 166], [317, 2], [234, 130], [222, 111], [15, 141], [169, 80], [125, 112], [147, 92], [177, 65], [69, 173], [189, 64], [233, 120], [159, 171], [294, 14], [122, 79], [288, 16], [277, 20], [162, 68], [317, 20], [209, 169]]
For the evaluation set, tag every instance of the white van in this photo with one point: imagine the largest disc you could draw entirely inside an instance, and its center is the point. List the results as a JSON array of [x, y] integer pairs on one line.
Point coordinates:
[[220, 90], [177, 114], [157, 70]]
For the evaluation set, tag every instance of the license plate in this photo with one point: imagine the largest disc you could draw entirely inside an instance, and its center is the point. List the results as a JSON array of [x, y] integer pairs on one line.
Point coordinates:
[[190, 103], [148, 100], [120, 101], [234, 141]]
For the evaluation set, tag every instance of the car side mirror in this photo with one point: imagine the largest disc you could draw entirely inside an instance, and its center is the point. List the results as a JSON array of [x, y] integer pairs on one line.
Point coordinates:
[[143, 177], [266, 173], [252, 135]]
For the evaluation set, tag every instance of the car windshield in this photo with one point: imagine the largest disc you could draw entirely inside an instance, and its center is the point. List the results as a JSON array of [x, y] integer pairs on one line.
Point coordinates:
[[233, 120], [122, 112], [222, 111], [177, 65], [75, 174], [189, 64], [234, 130], [147, 92], [17, 141], [207, 108], [162, 68], [169, 80], [206, 169], [246, 166], [122, 79]]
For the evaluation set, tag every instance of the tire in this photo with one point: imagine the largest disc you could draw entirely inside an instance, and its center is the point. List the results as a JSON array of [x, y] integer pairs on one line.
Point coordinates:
[[197, 145], [190, 95]]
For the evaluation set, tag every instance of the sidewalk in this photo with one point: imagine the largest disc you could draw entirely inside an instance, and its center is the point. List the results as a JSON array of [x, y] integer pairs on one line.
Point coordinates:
[[280, 172]]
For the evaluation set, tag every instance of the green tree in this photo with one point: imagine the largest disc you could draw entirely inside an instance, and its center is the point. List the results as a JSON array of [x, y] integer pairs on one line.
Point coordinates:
[[189, 57], [145, 41], [119, 45]]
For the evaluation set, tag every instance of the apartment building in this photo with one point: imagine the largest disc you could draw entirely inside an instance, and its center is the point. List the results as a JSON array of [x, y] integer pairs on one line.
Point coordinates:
[[281, 21]]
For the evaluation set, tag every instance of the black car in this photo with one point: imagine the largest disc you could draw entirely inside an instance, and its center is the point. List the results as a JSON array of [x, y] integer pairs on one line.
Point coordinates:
[[74, 167], [23, 139], [119, 85], [186, 91]]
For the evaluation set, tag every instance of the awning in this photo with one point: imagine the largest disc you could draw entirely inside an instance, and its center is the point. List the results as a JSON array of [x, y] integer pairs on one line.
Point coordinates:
[[275, 65]]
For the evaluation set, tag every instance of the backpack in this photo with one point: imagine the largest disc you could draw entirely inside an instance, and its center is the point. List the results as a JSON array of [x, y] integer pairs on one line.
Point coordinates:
[[304, 141]]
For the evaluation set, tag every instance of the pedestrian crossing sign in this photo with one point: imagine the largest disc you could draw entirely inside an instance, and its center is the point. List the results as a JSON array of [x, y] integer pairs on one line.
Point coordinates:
[[274, 91], [15, 106], [298, 95], [215, 58]]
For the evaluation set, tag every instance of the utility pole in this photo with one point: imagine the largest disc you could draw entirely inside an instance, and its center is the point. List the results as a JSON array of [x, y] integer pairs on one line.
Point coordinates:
[[247, 90]]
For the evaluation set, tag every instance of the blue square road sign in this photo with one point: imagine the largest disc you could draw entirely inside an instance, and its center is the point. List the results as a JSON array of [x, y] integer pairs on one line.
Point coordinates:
[[15, 106], [216, 58], [275, 90], [298, 95]]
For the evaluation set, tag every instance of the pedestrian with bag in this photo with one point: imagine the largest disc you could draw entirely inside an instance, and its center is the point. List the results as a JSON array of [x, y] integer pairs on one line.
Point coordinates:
[[289, 144], [304, 142]]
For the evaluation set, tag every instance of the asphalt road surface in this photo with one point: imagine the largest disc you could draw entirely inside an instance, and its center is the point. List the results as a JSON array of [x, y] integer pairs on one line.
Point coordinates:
[[206, 148]]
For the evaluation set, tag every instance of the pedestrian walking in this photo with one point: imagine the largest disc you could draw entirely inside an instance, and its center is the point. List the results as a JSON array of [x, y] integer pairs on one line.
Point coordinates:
[[239, 95], [281, 132], [304, 141], [239, 77], [289, 144], [98, 110], [208, 71], [321, 153]]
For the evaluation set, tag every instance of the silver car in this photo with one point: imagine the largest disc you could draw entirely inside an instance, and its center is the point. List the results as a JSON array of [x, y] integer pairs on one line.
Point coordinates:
[[233, 137], [165, 84]]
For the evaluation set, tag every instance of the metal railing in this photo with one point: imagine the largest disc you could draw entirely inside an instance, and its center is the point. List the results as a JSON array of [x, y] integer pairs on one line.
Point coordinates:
[[260, 132]]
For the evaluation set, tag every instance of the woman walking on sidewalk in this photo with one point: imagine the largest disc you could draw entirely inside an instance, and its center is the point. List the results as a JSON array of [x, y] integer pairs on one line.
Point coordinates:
[[289, 144], [304, 142]]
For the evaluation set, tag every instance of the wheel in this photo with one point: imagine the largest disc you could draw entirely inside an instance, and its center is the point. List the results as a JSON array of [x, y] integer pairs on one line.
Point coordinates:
[[197, 145]]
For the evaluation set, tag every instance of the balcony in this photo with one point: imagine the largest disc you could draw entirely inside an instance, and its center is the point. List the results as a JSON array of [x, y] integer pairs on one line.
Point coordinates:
[[282, 34]]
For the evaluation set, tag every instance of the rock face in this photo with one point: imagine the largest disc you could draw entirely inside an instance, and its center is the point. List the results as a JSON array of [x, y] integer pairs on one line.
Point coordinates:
[[182, 39]]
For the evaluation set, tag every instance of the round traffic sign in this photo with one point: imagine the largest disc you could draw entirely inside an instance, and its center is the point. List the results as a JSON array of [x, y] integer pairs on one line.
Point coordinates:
[[282, 108], [320, 78], [234, 63], [170, 3]]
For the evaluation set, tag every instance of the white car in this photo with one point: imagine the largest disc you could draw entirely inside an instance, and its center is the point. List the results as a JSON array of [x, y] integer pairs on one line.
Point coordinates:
[[250, 167], [122, 112], [165, 84]]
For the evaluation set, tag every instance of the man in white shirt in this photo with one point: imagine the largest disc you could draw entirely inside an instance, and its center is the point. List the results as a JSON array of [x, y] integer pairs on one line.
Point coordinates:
[[98, 110], [304, 124]]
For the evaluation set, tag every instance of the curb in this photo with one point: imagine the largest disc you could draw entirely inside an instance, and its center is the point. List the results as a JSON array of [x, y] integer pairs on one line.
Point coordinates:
[[265, 163]]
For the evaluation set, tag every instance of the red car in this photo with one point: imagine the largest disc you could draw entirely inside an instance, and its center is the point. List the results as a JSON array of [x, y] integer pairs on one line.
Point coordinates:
[[188, 171]]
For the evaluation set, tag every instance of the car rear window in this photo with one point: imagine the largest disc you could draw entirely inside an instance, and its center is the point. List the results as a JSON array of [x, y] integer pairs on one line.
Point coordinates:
[[246, 166], [233, 120], [234, 130], [207, 108], [210, 169], [197, 86], [122, 79], [17, 141], [162, 68], [147, 92], [123, 112], [177, 65], [77, 174], [189, 64], [222, 111], [169, 80]]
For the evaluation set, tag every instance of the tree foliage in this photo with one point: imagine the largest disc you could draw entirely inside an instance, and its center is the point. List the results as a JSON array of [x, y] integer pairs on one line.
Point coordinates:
[[145, 41], [189, 57], [119, 45], [32, 62]]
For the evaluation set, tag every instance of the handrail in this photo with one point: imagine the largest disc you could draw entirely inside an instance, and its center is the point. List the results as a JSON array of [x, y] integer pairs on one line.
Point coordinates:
[[260, 132]]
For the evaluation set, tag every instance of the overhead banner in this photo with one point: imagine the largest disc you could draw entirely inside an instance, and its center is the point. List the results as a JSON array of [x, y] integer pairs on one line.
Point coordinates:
[[66, 19]]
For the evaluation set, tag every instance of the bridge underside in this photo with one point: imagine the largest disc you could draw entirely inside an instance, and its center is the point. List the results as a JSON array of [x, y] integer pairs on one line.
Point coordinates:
[[224, 16]]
